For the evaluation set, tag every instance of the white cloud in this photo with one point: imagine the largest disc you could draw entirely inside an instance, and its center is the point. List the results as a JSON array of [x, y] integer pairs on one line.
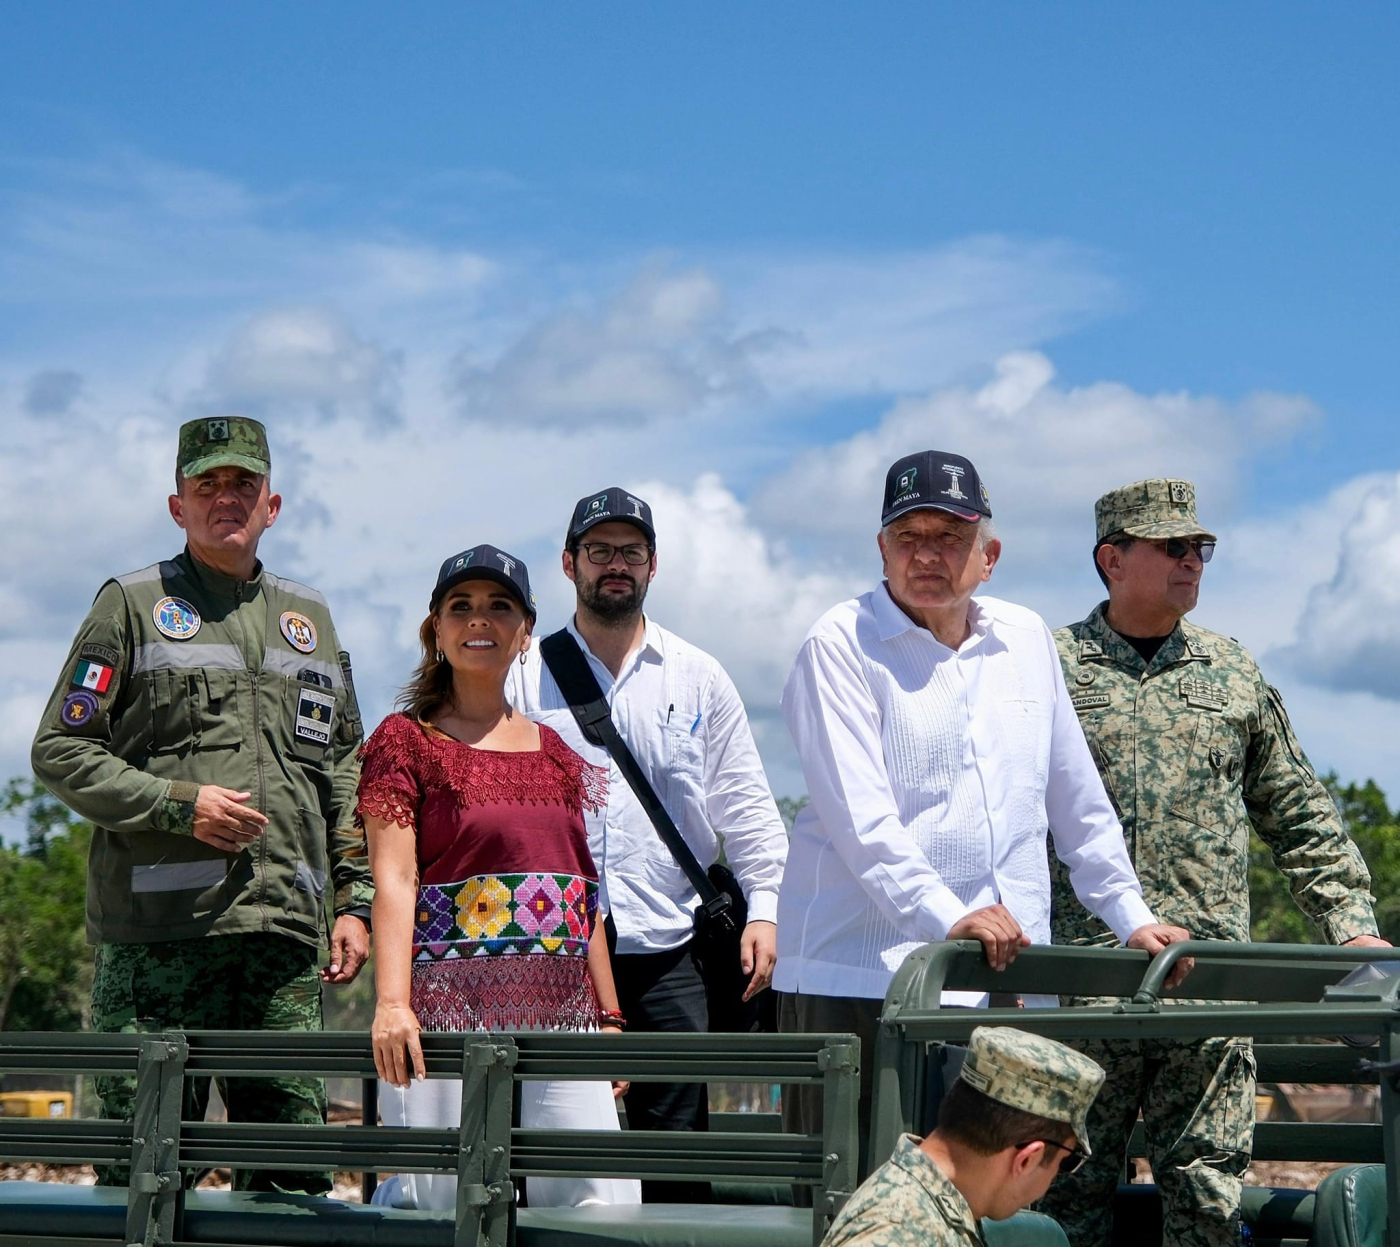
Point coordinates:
[[659, 349], [1347, 634], [303, 355]]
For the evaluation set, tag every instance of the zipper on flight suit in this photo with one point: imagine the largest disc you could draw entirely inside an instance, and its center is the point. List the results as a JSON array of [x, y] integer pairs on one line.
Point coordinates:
[[238, 588]]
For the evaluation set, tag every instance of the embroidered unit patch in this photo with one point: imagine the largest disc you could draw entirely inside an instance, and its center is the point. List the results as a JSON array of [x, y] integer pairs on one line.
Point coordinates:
[[299, 631], [78, 708], [176, 619], [315, 715], [490, 915]]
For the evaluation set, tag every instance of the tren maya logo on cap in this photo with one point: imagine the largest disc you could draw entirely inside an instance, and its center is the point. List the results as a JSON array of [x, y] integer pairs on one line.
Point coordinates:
[[597, 504]]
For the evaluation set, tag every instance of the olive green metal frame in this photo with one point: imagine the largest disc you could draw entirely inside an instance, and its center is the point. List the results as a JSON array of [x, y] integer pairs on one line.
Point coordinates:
[[1274, 991], [486, 1152]]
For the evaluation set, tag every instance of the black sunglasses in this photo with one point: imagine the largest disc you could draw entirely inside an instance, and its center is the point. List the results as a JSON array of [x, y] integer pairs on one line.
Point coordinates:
[[1177, 547], [1073, 1163]]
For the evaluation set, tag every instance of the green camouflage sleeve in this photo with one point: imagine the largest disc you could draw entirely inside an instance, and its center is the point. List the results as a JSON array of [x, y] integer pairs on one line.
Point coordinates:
[[1297, 818], [347, 851], [73, 752]]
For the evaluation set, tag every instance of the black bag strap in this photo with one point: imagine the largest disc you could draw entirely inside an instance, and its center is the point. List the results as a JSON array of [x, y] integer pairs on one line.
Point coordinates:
[[569, 667]]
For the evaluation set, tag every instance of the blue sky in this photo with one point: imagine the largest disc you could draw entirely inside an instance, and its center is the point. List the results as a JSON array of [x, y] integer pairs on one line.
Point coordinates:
[[693, 246]]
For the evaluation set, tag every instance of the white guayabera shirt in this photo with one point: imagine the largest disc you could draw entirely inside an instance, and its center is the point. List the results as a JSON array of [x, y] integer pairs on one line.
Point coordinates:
[[682, 718], [934, 775]]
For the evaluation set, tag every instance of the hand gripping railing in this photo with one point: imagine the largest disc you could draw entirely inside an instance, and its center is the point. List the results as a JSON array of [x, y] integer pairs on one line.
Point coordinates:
[[1277, 989]]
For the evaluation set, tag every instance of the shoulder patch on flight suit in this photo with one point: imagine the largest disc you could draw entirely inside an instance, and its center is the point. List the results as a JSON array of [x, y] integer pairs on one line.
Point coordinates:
[[77, 709], [104, 654]]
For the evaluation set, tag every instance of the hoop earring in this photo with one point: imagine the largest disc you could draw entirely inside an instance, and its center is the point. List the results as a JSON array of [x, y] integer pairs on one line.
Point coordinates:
[[522, 658], [441, 657]]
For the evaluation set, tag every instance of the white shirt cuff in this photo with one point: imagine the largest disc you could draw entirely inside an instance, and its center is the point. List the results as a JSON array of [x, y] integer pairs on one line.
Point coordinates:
[[763, 906], [1126, 913]]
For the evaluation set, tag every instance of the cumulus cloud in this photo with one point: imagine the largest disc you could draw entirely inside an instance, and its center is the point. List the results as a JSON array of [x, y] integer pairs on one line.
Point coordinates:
[[52, 392], [304, 356], [1348, 632], [658, 349]]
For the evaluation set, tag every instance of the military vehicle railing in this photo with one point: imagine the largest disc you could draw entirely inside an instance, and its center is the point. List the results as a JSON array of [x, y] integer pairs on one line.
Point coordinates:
[[1269, 991], [485, 1153]]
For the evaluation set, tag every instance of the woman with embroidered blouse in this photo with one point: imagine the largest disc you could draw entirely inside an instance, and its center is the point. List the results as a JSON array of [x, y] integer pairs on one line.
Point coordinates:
[[485, 910]]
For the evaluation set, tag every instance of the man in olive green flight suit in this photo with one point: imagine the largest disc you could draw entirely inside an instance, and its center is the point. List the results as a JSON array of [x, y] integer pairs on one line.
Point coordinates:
[[1194, 749], [205, 722]]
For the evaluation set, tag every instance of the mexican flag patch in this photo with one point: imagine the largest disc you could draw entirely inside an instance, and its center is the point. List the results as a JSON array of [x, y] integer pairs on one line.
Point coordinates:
[[92, 675]]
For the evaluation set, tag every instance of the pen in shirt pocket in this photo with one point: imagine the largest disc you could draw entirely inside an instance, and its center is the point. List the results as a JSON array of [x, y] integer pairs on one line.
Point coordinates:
[[696, 724]]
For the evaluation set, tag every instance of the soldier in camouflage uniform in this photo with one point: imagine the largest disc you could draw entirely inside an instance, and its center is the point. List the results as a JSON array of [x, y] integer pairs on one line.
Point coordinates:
[[1194, 749], [205, 722], [1010, 1123]]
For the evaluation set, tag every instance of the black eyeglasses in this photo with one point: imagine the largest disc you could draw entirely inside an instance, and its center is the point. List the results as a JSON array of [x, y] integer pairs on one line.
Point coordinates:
[[1073, 1163], [1177, 547], [601, 553]]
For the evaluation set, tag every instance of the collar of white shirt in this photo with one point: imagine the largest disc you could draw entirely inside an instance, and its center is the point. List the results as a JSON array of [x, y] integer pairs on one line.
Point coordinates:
[[652, 649], [891, 620]]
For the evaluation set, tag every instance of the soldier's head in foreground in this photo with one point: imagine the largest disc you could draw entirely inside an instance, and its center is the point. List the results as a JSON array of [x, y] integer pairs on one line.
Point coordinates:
[[1013, 1120], [1150, 550], [1019, 1108], [223, 496]]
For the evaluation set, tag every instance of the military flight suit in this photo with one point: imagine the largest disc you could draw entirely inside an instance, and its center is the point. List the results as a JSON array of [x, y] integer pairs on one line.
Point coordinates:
[[1194, 749], [906, 1202], [182, 676]]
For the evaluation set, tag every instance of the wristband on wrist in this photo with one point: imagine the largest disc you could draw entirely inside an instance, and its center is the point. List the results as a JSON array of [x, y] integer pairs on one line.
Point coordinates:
[[612, 1017]]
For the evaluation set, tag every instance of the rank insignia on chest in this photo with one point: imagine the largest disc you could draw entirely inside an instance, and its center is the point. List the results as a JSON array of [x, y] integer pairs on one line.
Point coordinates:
[[299, 631], [1202, 694], [176, 618], [315, 714], [1090, 701]]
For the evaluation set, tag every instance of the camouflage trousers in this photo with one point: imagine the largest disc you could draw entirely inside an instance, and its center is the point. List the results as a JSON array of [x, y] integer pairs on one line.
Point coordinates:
[[1197, 1102], [221, 982]]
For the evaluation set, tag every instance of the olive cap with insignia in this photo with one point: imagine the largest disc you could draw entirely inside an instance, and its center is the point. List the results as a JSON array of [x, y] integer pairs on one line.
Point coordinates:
[[1034, 1074], [1153, 509], [222, 442]]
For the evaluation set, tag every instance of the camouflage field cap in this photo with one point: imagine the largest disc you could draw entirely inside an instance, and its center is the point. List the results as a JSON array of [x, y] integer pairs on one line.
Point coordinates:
[[223, 441], [1159, 508], [1035, 1074]]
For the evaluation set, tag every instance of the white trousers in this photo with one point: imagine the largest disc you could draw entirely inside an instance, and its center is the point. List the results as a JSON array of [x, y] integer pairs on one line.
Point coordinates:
[[543, 1106]]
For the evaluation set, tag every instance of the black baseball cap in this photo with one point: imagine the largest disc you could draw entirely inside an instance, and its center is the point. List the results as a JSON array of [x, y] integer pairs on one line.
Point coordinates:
[[936, 479], [613, 503], [486, 563]]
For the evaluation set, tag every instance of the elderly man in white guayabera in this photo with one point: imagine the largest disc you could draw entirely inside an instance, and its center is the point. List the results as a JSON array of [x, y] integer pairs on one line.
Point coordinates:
[[939, 746]]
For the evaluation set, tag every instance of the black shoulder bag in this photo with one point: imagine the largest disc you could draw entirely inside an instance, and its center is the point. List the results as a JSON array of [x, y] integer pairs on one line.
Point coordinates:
[[723, 912]]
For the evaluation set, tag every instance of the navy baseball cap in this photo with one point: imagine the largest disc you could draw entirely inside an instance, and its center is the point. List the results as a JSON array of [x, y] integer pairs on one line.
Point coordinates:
[[935, 479], [486, 563], [613, 503]]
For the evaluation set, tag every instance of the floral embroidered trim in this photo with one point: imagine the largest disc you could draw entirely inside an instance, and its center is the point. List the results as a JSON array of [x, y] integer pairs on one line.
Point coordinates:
[[495, 915], [400, 751], [535, 992]]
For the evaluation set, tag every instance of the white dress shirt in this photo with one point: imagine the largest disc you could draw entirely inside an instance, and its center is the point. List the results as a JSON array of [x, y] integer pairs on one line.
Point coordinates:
[[934, 774], [681, 716]]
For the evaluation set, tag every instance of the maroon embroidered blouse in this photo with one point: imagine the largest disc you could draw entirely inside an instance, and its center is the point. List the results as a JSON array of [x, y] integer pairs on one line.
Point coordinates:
[[508, 891]]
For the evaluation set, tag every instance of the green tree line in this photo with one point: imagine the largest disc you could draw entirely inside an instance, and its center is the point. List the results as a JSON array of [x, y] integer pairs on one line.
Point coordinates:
[[46, 965]]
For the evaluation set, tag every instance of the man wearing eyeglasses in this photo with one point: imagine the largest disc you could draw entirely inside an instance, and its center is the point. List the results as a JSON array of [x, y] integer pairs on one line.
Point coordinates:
[[1195, 749], [681, 717]]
